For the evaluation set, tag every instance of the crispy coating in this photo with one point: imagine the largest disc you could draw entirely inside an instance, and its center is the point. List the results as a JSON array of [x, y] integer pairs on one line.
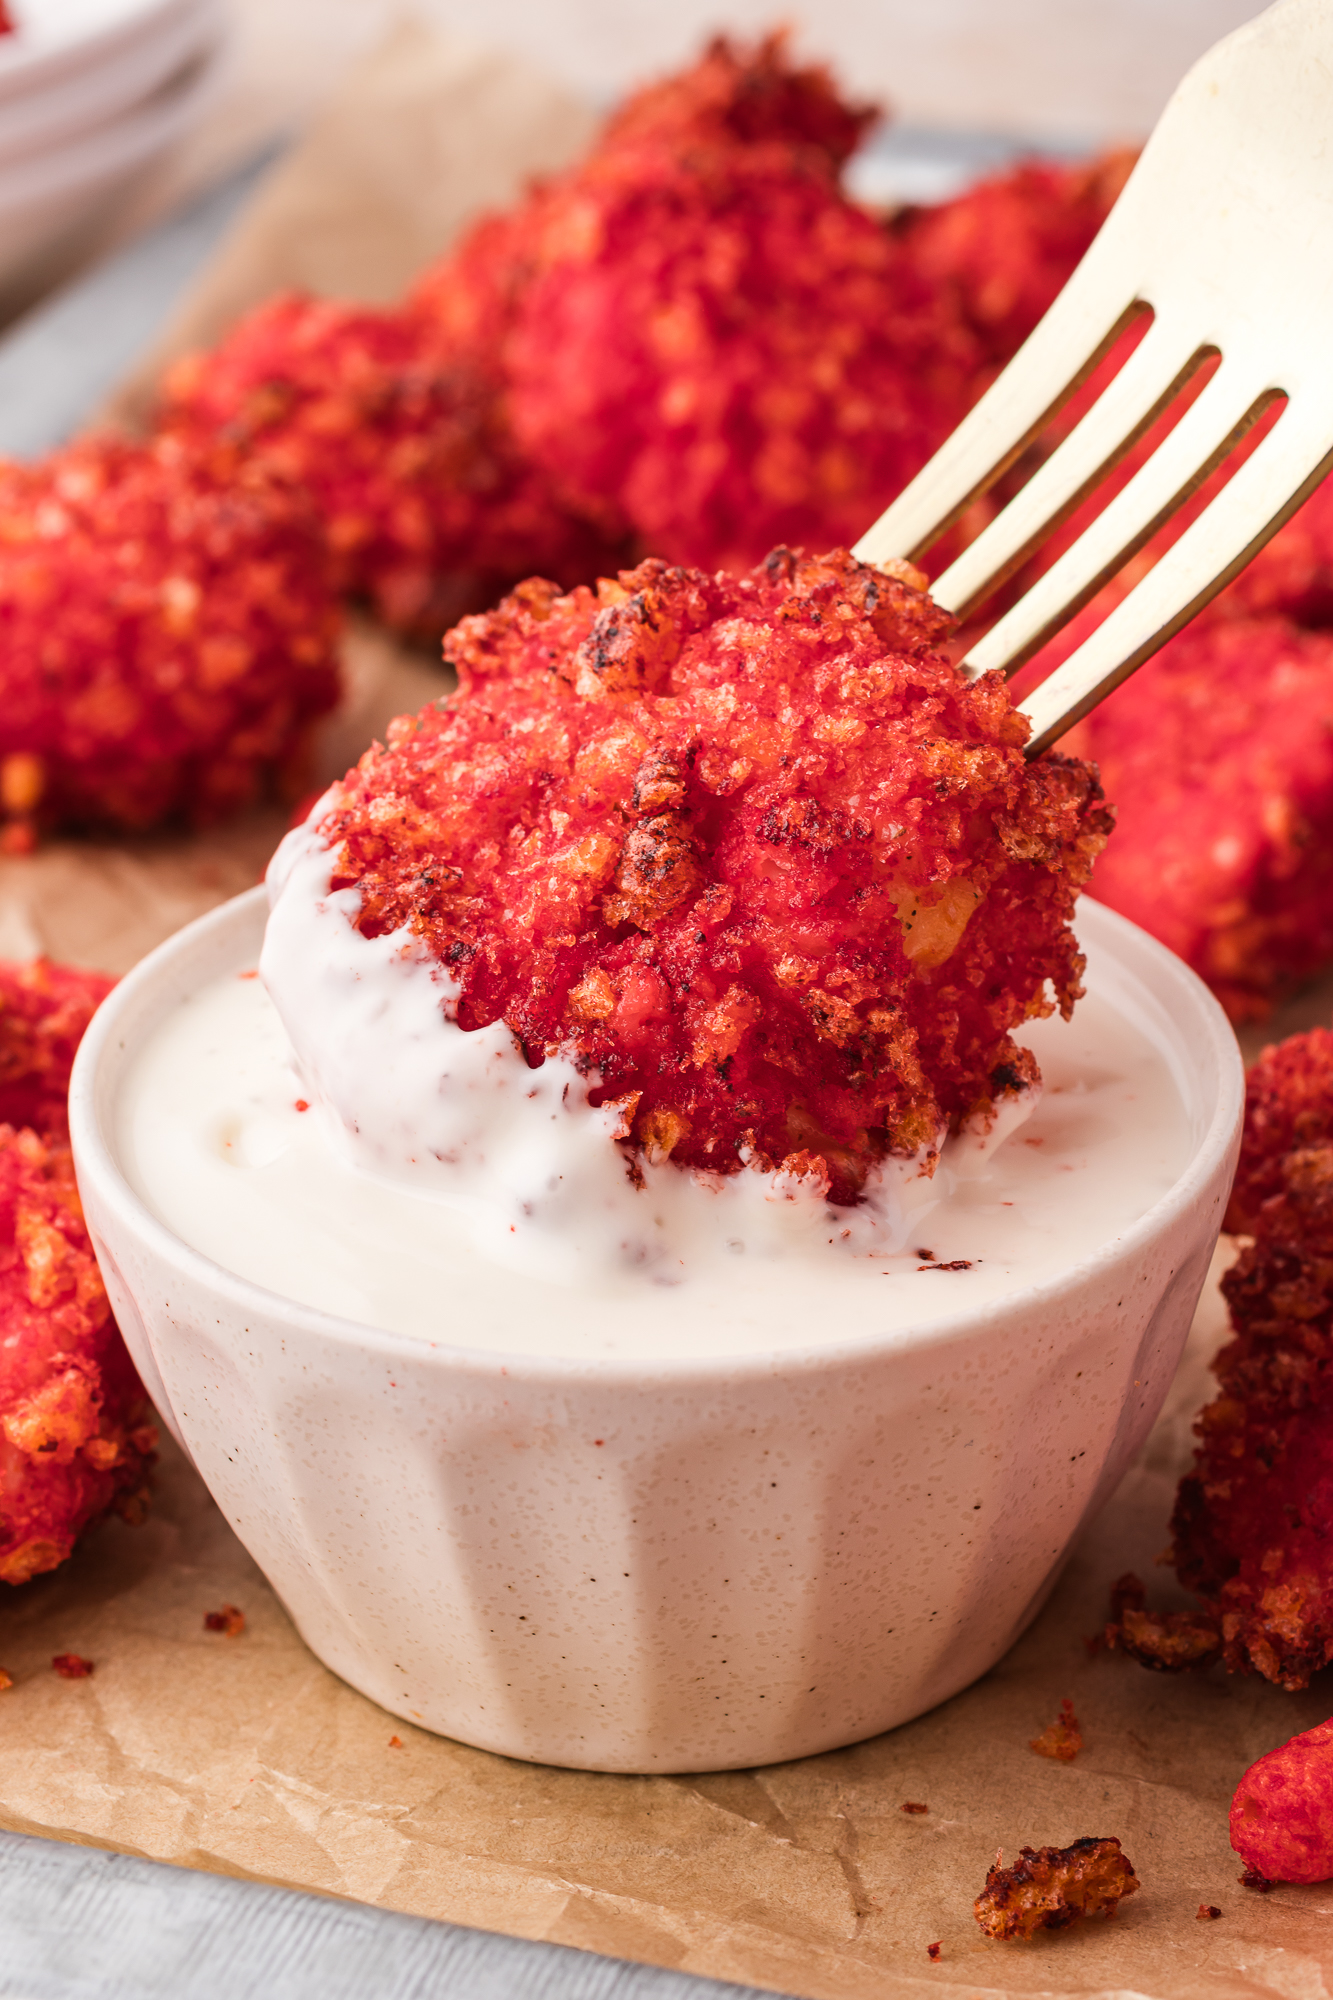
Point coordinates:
[[1049, 1888], [393, 422], [75, 1428], [166, 634], [748, 848], [721, 347], [1252, 1519], [401, 422], [44, 1009], [1282, 1814], [998, 254], [1224, 796], [738, 95], [1288, 1106]]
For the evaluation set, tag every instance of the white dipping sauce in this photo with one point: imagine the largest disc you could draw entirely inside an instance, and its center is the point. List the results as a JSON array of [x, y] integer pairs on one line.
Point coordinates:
[[211, 1138]]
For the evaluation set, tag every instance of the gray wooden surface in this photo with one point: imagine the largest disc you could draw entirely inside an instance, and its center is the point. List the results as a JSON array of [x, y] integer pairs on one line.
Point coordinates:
[[79, 1924]]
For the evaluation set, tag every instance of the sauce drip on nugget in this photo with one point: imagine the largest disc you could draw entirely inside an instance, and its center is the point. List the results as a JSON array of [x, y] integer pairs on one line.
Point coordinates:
[[749, 850]]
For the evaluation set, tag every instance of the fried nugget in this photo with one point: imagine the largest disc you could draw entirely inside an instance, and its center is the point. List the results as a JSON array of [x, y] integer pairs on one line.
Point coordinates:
[[998, 254], [750, 848], [746, 95], [1252, 1519], [1049, 1888], [394, 424], [44, 1010], [1288, 1108], [166, 634], [1222, 776], [76, 1435], [1282, 1814], [727, 351]]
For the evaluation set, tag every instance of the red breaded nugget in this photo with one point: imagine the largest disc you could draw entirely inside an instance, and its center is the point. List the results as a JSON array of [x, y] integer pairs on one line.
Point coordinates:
[[1292, 576], [1282, 1814], [166, 633], [1219, 756], [44, 1010], [1252, 1520], [1288, 1107], [749, 848], [728, 352], [748, 96], [75, 1429], [392, 422], [999, 253]]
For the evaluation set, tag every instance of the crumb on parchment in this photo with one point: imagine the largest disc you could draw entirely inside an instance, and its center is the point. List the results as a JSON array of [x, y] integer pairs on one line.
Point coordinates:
[[1061, 1739], [1049, 1888]]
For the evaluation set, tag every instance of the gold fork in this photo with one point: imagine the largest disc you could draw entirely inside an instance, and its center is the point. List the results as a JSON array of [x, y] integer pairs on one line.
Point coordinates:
[[1224, 231]]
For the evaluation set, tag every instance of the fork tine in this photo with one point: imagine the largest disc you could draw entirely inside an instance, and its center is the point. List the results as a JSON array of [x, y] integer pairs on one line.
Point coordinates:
[[1150, 379], [1202, 438], [1084, 322], [1268, 489]]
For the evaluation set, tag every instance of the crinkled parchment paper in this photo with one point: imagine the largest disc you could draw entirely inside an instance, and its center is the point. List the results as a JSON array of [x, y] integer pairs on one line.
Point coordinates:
[[245, 1755]]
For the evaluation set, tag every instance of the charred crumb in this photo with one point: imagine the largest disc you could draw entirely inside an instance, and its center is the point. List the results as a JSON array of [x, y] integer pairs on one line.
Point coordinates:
[[1207, 1913], [1168, 1642], [1049, 1888], [913, 1806]]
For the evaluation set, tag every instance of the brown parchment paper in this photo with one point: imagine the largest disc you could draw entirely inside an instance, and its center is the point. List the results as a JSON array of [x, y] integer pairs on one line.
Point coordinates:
[[246, 1756]]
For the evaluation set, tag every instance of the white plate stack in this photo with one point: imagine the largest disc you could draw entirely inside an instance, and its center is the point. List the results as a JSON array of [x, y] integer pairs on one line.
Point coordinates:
[[92, 94]]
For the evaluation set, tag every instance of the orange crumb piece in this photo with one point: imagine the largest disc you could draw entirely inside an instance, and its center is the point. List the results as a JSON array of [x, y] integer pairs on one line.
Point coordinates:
[[1207, 1913], [228, 1620], [1049, 1888], [71, 1666], [1061, 1739], [6, 1680], [395, 1742]]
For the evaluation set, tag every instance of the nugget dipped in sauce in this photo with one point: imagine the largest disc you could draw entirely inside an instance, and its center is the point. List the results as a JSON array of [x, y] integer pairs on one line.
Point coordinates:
[[166, 634], [748, 849], [76, 1434]]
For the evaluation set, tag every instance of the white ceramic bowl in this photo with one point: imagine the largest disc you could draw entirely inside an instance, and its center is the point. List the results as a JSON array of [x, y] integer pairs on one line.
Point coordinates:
[[661, 1567], [53, 111], [56, 40], [57, 200]]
